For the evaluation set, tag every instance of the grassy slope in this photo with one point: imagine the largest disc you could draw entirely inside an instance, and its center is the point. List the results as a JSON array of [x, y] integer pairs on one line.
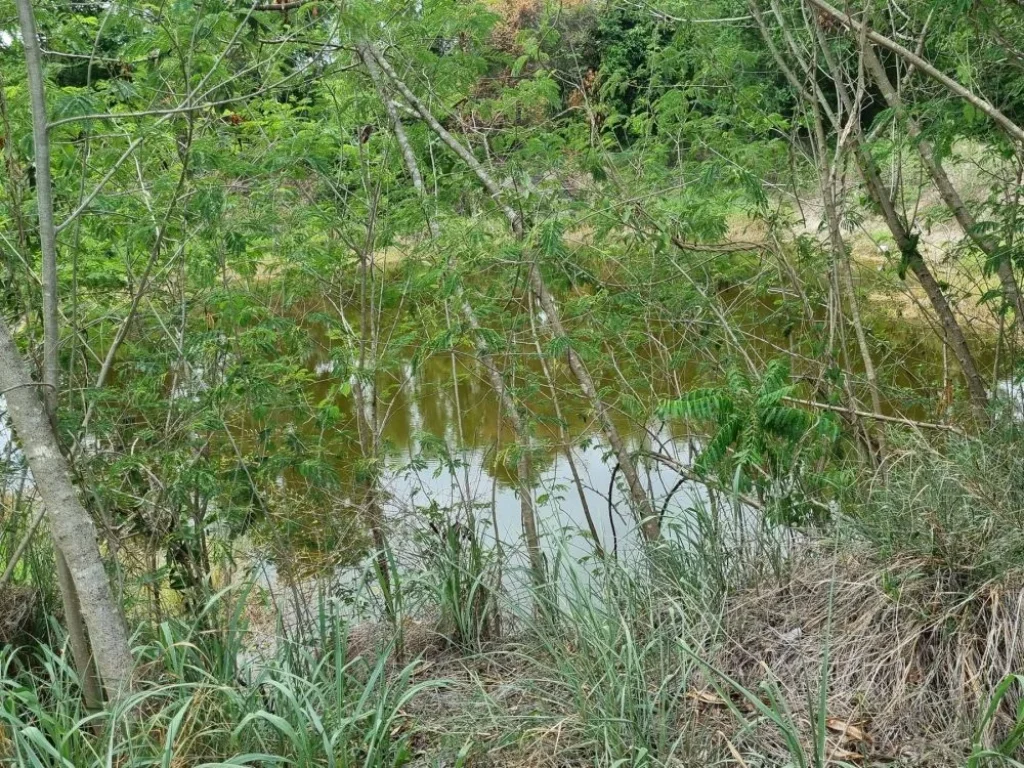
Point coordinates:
[[883, 643]]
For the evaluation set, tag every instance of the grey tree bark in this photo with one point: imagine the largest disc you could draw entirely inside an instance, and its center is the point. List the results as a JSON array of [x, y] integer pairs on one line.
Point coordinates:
[[70, 524], [408, 156], [827, 186], [844, 273], [51, 329], [44, 198]]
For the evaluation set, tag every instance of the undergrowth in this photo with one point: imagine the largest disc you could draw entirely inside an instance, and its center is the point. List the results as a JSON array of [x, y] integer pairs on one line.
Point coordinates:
[[893, 636]]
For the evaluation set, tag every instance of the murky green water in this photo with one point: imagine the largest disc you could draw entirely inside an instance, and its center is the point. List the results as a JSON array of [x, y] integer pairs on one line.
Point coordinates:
[[445, 445]]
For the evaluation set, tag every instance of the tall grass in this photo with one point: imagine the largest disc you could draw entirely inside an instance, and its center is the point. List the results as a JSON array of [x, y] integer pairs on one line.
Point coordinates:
[[460, 580], [605, 657], [307, 705], [717, 646]]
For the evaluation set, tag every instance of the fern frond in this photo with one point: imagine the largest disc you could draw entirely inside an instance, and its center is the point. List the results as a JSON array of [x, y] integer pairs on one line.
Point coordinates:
[[737, 382], [776, 376], [716, 449], [787, 422], [768, 398], [706, 404]]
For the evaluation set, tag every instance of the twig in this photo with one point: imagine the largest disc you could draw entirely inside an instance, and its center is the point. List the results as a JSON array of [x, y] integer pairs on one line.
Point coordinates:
[[877, 416], [924, 66], [22, 546]]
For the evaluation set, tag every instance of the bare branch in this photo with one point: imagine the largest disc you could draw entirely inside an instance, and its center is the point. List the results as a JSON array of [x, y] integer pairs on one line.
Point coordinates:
[[912, 58]]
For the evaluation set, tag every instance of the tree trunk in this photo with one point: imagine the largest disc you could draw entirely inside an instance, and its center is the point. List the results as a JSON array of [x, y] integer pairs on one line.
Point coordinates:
[[77, 638], [948, 193], [864, 30], [70, 523], [844, 273], [408, 156], [649, 522], [51, 330], [953, 335], [641, 504], [44, 199], [907, 243], [527, 512]]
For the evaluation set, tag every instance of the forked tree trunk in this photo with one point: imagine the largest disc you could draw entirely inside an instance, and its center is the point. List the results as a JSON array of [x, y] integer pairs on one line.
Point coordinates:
[[73, 608], [640, 501], [953, 335], [70, 523]]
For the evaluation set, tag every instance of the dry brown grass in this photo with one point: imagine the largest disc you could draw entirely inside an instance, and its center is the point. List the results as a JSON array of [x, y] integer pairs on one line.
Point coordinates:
[[912, 657], [16, 606]]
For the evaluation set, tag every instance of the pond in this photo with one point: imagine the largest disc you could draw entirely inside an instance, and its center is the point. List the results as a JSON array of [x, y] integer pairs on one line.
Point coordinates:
[[445, 441]]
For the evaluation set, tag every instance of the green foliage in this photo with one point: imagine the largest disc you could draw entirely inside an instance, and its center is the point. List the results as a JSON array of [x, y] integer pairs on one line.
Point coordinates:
[[461, 578], [748, 415], [312, 706], [283, 298], [958, 510], [758, 440]]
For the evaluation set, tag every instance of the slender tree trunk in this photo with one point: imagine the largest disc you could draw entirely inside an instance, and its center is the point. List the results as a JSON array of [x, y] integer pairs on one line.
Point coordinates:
[[44, 199], [527, 512], [948, 193], [641, 503], [408, 156], [564, 438], [133, 307], [92, 694], [73, 608], [453, 144], [854, 26], [907, 244], [648, 520], [72, 527], [369, 430], [844, 274], [905, 241]]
